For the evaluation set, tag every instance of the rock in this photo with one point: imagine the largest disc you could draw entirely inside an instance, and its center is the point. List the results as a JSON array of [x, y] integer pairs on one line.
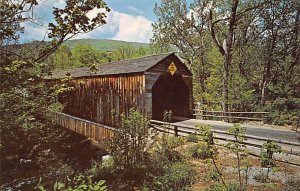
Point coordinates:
[[105, 157], [25, 161]]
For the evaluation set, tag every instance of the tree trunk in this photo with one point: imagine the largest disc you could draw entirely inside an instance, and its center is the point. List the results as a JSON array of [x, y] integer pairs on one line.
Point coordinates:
[[225, 83], [202, 77], [225, 50], [263, 89]]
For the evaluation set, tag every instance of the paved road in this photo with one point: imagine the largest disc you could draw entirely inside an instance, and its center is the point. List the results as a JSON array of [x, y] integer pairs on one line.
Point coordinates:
[[267, 132]]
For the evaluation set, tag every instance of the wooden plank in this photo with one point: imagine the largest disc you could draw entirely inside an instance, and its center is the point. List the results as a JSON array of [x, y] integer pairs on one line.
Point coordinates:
[[232, 117], [232, 112]]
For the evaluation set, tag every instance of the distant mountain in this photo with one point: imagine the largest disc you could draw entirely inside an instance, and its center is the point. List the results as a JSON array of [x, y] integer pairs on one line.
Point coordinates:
[[103, 44]]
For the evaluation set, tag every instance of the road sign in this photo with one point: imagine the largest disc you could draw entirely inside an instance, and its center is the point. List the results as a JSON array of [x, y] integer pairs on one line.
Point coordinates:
[[172, 68]]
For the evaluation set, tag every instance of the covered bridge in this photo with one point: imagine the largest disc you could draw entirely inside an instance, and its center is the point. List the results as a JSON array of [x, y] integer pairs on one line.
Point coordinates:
[[149, 84]]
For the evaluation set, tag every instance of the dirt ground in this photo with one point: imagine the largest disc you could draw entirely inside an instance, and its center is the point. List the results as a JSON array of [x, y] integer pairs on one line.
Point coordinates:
[[226, 162]]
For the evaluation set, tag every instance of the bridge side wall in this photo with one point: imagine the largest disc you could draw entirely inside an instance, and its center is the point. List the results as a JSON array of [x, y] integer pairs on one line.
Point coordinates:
[[89, 129], [103, 98]]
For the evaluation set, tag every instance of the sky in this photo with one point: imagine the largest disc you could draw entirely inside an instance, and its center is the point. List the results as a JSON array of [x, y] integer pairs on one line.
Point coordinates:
[[128, 20]]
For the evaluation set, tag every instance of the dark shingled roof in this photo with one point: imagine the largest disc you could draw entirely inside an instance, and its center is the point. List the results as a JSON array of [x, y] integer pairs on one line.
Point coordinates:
[[120, 67]]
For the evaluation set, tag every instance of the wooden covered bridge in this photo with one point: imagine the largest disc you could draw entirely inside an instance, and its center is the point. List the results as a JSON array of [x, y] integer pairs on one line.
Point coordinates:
[[149, 84]]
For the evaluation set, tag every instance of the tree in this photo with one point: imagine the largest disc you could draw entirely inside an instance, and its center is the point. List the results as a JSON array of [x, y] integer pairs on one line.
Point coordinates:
[[180, 26], [24, 97], [128, 147], [61, 59], [251, 48], [84, 55], [268, 150]]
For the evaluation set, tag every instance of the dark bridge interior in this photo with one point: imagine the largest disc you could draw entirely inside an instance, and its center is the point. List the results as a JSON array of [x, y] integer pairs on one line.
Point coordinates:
[[170, 93]]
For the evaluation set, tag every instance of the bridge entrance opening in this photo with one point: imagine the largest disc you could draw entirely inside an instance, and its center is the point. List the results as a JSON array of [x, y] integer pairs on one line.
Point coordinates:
[[170, 93]]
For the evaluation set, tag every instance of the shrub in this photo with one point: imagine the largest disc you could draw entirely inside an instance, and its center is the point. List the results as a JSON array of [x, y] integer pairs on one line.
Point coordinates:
[[192, 138], [199, 150], [213, 175], [205, 134], [174, 142], [268, 150], [78, 183], [128, 147], [177, 177], [284, 111], [165, 151], [216, 187], [232, 186]]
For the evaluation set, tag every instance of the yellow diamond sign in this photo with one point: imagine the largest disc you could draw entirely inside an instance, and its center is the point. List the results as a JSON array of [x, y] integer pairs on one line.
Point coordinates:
[[172, 68]]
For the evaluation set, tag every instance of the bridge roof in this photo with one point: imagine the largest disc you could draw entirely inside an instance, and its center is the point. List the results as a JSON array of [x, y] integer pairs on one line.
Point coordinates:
[[136, 65]]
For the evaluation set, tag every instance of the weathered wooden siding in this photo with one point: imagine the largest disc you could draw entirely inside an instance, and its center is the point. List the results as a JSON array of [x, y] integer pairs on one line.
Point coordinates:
[[155, 72], [95, 131], [162, 66], [103, 98]]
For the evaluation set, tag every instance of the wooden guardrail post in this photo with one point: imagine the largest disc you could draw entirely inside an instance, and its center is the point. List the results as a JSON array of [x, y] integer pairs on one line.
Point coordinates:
[[176, 131]]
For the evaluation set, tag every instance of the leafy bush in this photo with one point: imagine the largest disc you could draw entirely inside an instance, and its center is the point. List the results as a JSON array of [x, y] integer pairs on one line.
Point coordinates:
[[174, 142], [128, 147], [284, 111], [199, 150], [78, 183], [232, 186], [213, 175], [176, 176], [216, 187], [165, 151], [268, 150], [192, 138], [205, 134]]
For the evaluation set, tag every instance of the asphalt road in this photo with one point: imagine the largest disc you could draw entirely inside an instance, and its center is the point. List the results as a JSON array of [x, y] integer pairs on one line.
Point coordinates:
[[267, 132]]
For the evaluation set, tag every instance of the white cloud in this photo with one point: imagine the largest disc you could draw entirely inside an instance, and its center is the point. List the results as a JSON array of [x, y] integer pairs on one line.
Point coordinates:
[[133, 28], [121, 26]]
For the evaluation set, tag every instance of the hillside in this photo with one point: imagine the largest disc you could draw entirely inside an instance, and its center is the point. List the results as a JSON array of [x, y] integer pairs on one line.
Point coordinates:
[[103, 44]]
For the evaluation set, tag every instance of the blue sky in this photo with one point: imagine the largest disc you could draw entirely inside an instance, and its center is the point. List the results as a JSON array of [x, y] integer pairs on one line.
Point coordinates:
[[129, 20]]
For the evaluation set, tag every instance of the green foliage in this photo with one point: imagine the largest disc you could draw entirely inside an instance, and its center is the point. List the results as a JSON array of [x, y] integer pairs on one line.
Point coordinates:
[[84, 55], [205, 134], [213, 175], [128, 147], [23, 97], [177, 176], [284, 111], [174, 141], [267, 153], [199, 150], [104, 45], [232, 186], [60, 59], [58, 107], [216, 187], [192, 137], [239, 150], [78, 183], [64, 86], [258, 67], [165, 150]]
